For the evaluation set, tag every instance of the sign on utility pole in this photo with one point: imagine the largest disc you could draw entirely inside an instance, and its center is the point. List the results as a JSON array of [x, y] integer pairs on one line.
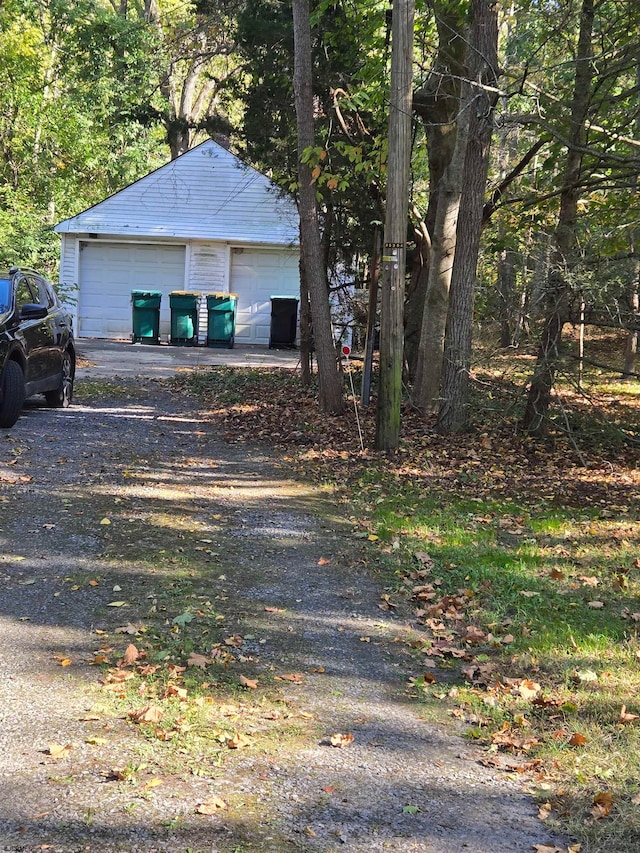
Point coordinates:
[[395, 228]]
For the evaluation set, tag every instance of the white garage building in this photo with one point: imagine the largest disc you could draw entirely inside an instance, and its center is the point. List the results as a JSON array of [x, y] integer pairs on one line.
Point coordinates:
[[205, 222]]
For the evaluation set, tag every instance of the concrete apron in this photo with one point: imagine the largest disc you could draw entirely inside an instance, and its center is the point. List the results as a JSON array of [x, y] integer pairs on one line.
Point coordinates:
[[103, 359]]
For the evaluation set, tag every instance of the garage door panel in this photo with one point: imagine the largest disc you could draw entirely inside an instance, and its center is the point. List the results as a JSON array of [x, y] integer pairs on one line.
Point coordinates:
[[108, 274], [256, 276]]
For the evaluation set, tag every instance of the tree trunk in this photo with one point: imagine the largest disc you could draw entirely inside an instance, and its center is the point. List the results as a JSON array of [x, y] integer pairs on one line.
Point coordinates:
[[437, 103], [506, 287], [631, 345], [558, 294], [443, 244], [483, 70], [330, 397], [395, 230], [633, 296]]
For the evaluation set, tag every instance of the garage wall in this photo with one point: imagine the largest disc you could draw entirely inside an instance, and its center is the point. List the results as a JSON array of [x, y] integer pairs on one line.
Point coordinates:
[[108, 272], [256, 276]]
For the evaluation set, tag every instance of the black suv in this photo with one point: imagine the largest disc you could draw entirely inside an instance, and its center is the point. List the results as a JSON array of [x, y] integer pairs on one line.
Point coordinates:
[[37, 354]]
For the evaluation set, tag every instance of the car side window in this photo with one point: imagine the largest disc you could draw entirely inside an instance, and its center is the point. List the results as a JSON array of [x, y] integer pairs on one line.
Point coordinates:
[[45, 293], [24, 293]]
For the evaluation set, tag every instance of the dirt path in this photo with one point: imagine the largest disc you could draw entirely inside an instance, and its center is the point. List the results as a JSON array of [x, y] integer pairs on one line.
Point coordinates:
[[103, 507]]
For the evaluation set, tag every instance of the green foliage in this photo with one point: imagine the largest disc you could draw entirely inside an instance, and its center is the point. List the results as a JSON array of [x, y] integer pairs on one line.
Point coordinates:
[[349, 160]]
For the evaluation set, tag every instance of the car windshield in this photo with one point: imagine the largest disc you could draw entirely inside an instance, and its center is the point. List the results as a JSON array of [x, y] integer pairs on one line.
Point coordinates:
[[5, 295]]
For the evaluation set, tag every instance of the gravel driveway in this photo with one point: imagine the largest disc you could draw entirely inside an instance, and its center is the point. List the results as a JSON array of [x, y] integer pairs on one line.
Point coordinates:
[[99, 504]]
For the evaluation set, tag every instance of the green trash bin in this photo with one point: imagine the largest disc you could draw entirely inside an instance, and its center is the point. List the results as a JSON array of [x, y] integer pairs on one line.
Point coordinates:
[[184, 317], [145, 308], [221, 319]]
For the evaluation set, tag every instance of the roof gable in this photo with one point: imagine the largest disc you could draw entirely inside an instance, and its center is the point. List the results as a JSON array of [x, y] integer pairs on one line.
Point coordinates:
[[207, 193]]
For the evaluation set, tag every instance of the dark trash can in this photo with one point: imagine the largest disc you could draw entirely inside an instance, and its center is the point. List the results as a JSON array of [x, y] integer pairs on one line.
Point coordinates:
[[284, 322], [184, 317], [221, 319], [145, 309]]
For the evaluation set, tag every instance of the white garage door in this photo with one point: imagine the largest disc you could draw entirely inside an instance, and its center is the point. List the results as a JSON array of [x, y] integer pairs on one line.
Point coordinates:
[[108, 274], [256, 276]]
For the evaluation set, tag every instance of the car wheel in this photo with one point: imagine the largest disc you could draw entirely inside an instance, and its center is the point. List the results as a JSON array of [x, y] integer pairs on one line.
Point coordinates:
[[12, 394], [61, 398]]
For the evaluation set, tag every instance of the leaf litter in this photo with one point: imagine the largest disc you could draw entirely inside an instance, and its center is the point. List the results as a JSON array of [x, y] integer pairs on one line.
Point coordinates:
[[144, 693]]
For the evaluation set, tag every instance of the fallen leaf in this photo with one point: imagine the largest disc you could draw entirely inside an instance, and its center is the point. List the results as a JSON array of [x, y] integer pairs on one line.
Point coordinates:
[[56, 750], [131, 655], [201, 661], [585, 676], [596, 605], [294, 677], [602, 805], [210, 806], [126, 629], [106, 521], [65, 662], [528, 689], [177, 692], [339, 740], [238, 741], [182, 620], [473, 634], [250, 683], [577, 739], [626, 717], [544, 811], [329, 789], [117, 604], [323, 561], [148, 714]]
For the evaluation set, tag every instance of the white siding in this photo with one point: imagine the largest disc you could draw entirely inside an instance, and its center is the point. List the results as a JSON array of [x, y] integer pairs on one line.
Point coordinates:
[[68, 278], [256, 276], [206, 194], [208, 273]]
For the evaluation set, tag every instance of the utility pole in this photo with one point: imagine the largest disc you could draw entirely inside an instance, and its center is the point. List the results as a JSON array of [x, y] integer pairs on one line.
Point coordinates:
[[395, 228]]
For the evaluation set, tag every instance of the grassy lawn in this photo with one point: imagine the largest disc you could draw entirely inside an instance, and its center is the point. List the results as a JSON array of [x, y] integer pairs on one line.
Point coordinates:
[[517, 559]]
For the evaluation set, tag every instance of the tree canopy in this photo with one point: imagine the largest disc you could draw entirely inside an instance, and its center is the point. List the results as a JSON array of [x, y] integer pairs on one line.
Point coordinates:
[[93, 94]]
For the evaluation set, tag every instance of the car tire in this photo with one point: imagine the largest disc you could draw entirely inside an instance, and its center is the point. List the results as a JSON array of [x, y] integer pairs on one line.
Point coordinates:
[[12, 394], [61, 398]]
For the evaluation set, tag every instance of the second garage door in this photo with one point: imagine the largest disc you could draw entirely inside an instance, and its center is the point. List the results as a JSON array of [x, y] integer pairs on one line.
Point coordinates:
[[108, 274], [257, 275]]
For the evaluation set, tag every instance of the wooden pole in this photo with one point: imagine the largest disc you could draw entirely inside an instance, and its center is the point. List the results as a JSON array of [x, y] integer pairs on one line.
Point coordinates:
[[395, 228], [581, 347], [365, 394]]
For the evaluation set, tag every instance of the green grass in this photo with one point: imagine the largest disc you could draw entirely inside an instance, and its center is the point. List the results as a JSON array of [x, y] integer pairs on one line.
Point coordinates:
[[536, 543], [561, 583]]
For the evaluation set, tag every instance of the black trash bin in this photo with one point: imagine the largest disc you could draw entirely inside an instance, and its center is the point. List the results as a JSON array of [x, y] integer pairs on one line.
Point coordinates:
[[284, 322], [184, 317], [145, 310], [221, 319]]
